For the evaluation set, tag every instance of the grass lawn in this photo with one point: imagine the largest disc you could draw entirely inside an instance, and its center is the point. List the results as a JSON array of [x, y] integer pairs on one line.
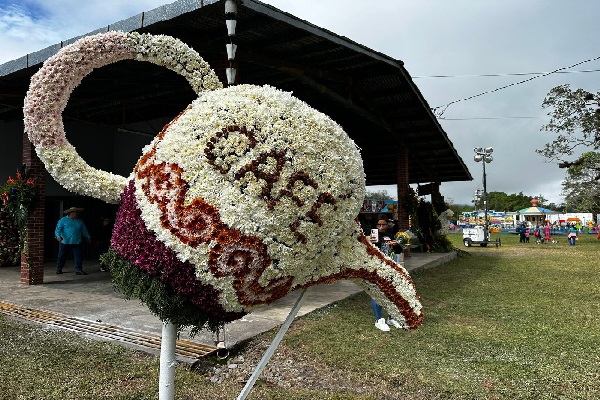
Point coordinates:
[[521, 321]]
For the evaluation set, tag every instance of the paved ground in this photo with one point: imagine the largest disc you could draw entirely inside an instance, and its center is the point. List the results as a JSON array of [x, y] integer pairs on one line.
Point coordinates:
[[92, 301]]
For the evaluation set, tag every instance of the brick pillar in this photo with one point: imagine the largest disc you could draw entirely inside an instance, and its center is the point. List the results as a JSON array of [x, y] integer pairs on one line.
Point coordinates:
[[402, 185], [33, 274], [437, 200]]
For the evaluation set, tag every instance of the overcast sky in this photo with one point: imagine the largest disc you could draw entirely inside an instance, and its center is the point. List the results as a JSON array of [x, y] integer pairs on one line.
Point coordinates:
[[463, 39]]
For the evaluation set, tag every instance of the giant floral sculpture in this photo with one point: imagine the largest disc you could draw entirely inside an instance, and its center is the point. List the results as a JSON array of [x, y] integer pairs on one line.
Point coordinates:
[[247, 195]]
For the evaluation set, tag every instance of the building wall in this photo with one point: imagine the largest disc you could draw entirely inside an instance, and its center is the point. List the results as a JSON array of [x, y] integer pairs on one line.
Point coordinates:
[[11, 150], [583, 217]]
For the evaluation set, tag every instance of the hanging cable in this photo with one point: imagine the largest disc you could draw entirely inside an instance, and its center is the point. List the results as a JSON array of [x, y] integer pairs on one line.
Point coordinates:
[[506, 74], [485, 118], [440, 110]]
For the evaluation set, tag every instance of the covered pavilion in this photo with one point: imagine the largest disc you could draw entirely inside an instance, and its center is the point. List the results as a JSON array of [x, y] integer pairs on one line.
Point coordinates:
[[119, 108]]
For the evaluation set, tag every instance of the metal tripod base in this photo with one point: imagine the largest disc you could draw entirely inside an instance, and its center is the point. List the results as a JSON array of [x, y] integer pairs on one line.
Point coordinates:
[[267, 356]]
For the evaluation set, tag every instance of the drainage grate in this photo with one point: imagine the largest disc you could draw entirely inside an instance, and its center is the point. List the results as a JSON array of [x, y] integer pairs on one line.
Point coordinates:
[[184, 348]]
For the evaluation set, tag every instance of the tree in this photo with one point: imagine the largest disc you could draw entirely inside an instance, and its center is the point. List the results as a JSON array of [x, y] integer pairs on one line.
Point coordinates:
[[555, 207], [380, 195], [457, 209], [500, 201], [575, 117], [542, 200], [581, 186]]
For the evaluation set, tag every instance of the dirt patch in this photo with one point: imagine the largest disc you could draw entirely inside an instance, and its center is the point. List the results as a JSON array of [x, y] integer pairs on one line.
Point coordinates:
[[291, 369]]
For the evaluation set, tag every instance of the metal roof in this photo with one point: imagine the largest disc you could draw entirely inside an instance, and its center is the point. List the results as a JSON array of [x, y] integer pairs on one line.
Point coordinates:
[[370, 94]]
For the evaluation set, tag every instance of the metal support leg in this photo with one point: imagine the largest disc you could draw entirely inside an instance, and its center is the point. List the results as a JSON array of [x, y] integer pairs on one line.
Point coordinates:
[[267, 356], [168, 362]]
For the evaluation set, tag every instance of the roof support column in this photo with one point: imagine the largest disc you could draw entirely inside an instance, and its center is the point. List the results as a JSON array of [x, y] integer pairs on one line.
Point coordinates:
[[32, 258], [402, 186], [437, 200]]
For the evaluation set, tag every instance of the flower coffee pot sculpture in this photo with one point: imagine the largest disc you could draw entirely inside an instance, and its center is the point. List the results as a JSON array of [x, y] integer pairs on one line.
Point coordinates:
[[245, 196]]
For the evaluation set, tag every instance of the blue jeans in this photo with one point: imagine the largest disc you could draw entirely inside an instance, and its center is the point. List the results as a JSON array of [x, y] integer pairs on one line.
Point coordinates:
[[572, 240], [376, 310], [63, 249]]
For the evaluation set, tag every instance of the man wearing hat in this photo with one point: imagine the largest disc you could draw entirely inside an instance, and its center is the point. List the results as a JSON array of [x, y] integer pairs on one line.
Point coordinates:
[[69, 232]]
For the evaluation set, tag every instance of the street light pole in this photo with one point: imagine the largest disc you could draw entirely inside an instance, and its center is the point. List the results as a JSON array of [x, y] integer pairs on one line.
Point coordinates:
[[484, 156], [476, 201], [485, 206]]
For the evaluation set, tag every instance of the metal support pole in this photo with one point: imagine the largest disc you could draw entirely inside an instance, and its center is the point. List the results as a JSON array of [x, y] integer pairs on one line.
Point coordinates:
[[486, 226], [267, 356], [484, 156], [168, 362]]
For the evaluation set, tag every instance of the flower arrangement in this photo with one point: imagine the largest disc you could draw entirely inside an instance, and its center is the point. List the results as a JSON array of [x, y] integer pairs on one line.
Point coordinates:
[[445, 218], [403, 239], [261, 199], [17, 196], [426, 224], [9, 240]]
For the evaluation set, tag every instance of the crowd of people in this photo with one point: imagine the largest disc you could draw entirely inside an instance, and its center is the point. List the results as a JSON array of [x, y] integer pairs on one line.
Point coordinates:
[[540, 234], [543, 234]]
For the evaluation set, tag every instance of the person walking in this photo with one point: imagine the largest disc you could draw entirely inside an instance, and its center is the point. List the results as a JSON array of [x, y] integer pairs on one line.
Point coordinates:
[[384, 242], [69, 232], [537, 233], [572, 236], [521, 231], [547, 232]]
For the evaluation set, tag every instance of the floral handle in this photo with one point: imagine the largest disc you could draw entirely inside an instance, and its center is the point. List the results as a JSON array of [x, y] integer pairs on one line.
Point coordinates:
[[53, 84]]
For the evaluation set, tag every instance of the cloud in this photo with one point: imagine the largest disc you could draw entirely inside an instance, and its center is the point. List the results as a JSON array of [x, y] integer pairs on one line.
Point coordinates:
[[31, 25], [21, 32]]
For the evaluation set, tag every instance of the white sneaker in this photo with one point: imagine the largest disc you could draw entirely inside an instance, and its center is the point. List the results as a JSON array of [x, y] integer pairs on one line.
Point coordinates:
[[394, 323], [381, 325]]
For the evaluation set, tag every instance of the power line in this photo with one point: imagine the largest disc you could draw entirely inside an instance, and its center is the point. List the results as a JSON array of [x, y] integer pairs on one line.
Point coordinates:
[[506, 74], [439, 111], [485, 118]]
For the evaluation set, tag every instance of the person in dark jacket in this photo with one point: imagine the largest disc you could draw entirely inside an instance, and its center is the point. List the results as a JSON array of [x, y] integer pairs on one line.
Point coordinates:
[[521, 231]]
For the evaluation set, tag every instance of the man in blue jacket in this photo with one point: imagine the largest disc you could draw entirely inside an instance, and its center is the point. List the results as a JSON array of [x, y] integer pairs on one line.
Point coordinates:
[[69, 233]]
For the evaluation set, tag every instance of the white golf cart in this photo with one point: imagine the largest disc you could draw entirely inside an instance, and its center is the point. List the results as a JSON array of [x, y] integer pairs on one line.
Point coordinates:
[[477, 235]]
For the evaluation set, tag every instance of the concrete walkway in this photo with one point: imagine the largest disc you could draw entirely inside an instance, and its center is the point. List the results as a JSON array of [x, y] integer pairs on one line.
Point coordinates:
[[89, 304]]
